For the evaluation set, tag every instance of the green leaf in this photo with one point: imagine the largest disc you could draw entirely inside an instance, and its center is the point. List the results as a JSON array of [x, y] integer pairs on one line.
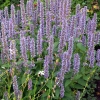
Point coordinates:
[[86, 77], [67, 82], [57, 92], [97, 77], [6, 66], [77, 39], [23, 79], [81, 82], [78, 86], [99, 2], [19, 62], [49, 84], [44, 94], [68, 75], [81, 47], [77, 76], [56, 44], [68, 95]]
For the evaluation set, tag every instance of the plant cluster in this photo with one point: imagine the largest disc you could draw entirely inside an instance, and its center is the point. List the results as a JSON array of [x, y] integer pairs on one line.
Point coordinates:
[[47, 53]]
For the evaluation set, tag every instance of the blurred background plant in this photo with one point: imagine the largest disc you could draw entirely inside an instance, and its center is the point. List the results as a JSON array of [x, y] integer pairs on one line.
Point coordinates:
[[93, 6]]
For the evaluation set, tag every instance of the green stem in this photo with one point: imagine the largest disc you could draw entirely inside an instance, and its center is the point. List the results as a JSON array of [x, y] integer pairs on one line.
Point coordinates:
[[87, 82]]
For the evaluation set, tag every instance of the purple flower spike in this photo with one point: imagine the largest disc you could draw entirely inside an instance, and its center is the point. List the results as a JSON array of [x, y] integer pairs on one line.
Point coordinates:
[[68, 8], [28, 42], [39, 43], [15, 86], [23, 15], [77, 8], [11, 30], [98, 55], [97, 38], [48, 24], [54, 32], [92, 58], [66, 61], [18, 18], [42, 18], [32, 29], [76, 63], [78, 95], [23, 49], [84, 40], [4, 41], [50, 48], [38, 6], [46, 67], [6, 13], [30, 84], [62, 91], [70, 45], [12, 50], [32, 47], [13, 14]]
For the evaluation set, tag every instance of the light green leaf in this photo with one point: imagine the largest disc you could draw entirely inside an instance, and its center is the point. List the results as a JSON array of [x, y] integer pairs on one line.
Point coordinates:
[[67, 82], [81, 47], [49, 84], [57, 92]]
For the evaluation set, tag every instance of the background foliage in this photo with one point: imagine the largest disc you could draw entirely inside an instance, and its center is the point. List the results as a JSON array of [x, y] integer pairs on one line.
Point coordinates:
[[93, 6]]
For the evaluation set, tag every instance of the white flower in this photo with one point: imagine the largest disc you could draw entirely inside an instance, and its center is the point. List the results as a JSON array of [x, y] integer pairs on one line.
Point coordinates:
[[41, 73]]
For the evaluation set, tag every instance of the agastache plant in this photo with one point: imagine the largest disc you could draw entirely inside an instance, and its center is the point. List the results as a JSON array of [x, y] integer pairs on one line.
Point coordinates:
[[11, 31], [30, 84], [48, 24], [50, 49], [32, 47], [4, 41], [46, 67], [42, 18], [12, 50], [44, 38], [13, 14], [98, 57], [23, 49], [6, 13], [23, 14], [15, 87], [39, 42], [76, 63]]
